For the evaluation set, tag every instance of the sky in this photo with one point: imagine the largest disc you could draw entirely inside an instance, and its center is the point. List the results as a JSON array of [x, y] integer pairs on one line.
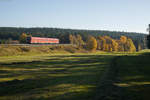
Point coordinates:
[[113, 15]]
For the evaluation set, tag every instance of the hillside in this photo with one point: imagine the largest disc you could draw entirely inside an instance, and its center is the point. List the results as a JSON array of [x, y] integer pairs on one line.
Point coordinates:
[[63, 34]]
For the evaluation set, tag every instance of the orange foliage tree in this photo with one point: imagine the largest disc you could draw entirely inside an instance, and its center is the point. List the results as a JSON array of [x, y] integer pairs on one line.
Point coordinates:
[[91, 43]]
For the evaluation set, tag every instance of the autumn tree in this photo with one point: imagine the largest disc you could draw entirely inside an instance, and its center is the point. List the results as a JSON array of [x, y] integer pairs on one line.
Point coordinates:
[[123, 39], [122, 44], [114, 45], [80, 41], [131, 46], [71, 39], [91, 43], [106, 43], [109, 46], [126, 44], [120, 47], [101, 42], [23, 38], [76, 39]]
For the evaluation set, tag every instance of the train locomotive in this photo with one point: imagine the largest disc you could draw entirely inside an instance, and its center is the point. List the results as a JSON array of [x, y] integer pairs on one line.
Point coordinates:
[[40, 40]]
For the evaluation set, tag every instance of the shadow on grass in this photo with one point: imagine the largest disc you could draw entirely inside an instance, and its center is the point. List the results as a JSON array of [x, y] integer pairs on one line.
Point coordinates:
[[77, 76], [134, 76]]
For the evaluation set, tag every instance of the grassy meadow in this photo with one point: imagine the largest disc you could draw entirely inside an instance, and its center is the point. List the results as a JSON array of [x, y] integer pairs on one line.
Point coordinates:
[[54, 77], [79, 76]]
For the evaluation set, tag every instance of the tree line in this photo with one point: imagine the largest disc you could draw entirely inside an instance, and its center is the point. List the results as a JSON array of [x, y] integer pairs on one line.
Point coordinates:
[[104, 43], [13, 33]]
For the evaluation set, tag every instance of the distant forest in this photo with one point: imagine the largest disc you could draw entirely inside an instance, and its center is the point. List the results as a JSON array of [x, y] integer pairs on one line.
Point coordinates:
[[14, 33]]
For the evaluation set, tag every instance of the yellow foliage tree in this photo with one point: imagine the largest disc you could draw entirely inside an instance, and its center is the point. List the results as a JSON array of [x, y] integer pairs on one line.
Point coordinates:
[[114, 45], [80, 41], [123, 39], [77, 40], [131, 46], [101, 43], [122, 44], [106, 43], [91, 43], [71, 38]]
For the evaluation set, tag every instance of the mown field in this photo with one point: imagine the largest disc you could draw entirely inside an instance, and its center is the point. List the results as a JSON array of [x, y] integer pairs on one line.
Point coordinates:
[[58, 77], [92, 76]]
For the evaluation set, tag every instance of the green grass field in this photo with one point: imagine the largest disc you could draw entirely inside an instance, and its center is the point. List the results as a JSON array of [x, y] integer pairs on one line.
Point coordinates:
[[57, 77], [93, 76]]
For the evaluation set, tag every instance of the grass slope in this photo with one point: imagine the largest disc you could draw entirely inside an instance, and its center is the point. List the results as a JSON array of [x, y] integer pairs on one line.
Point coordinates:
[[12, 50], [55, 77]]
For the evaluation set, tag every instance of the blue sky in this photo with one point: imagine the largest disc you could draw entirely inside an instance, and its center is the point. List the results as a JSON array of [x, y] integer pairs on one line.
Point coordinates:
[[118, 15]]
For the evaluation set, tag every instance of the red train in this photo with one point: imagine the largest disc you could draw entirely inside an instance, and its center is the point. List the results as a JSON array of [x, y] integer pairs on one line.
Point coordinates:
[[39, 40]]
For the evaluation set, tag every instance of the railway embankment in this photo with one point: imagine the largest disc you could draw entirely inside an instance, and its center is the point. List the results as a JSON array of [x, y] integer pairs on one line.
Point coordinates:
[[10, 50]]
